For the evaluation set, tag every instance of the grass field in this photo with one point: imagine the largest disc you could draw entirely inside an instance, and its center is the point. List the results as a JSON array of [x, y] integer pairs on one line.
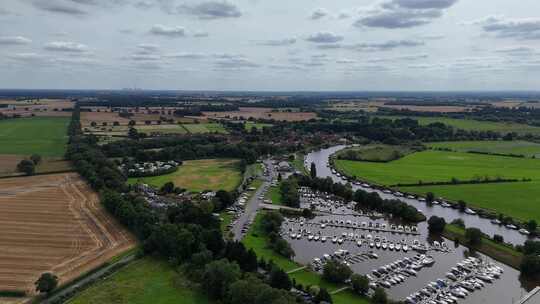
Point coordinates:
[[169, 129], [476, 125], [259, 126], [442, 166], [274, 195], [143, 281], [519, 200], [374, 153], [518, 147], [205, 128], [46, 136], [200, 175]]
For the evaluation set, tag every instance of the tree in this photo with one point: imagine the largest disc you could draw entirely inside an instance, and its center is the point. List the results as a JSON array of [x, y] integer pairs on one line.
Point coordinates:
[[280, 279], [379, 296], [46, 283], [323, 296], [498, 238], [93, 124], [462, 205], [218, 276], [530, 266], [336, 272], [436, 224], [360, 284], [131, 123], [36, 159], [473, 236], [430, 197], [133, 133], [26, 166], [313, 170], [459, 223], [167, 187], [532, 225]]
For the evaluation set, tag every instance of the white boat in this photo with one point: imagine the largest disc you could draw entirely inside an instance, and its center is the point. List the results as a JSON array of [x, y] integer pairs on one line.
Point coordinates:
[[510, 226], [391, 246], [496, 222], [405, 248], [470, 211], [359, 243], [323, 239], [524, 231], [310, 237], [384, 246], [340, 241], [334, 240]]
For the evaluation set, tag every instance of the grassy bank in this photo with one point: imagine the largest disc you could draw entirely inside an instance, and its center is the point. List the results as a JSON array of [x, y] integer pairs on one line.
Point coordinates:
[[274, 195], [499, 252], [144, 281]]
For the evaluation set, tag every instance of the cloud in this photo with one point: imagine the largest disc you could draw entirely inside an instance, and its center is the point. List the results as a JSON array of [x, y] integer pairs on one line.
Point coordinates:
[[211, 10], [145, 57], [186, 56], [146, 48], [28, 57], [522, 29], [14, 40], [235, 63], [325, 37], [167, 31], [518, 51], [344, 15], [60, 7], [68, 47], [282, 42], [345, 61], [5, 12], [373, 46], [318, 14], [398, 14]]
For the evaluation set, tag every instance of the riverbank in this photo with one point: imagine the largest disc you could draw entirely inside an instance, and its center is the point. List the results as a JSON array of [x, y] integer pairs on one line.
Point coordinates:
[[497, 251]]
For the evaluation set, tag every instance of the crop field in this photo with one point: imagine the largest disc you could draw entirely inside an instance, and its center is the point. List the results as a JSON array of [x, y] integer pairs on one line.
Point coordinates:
[[262, 113], [46, 136], [518, 147], [53, 223], [200, 175], [8, 165], [374, 153], [204, 128], [43, 107], [519, 200], [442, 166], [144, 281], [435, 109], [475, 125]]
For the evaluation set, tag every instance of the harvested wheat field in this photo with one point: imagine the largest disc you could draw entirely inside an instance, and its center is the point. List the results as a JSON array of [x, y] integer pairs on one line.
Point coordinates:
[[53, 223]]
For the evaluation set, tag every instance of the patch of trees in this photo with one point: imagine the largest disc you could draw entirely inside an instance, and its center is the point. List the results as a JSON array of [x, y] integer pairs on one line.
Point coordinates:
[[436, 224], [289, 192], [336, 272], [474, 181], [271, 224]]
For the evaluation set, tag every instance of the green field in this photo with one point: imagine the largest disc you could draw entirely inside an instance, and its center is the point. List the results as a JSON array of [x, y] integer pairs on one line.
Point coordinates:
[[169, 129], [518, 147], [274, 195], [46, 136], [143, 281], [259, 126], [441, 166], [200, 175], [374, 153], [474, 125], [519, 200], [205, 128]]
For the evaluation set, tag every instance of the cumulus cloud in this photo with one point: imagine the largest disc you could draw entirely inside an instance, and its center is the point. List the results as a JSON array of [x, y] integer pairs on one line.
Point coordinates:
[[523, 29], [14, 40], [318, 14], [235, 63], [147, 48], [397, 14], [211, 10], [281, 42], [325, 37], [168, 31], [64, 46], [374, 46]]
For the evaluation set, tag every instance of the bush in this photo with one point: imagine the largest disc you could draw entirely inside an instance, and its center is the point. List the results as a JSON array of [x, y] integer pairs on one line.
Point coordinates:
[[498, 238], [360, 284], [473, 236], [436, 224]]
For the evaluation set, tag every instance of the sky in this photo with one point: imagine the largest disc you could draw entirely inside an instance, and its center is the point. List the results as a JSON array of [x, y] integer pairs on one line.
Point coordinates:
[[278, 45]]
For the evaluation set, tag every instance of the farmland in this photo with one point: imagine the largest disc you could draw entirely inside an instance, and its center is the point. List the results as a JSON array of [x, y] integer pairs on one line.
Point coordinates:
[[516, 199], [528, 149], [53, 223], [144, 281], [204, 128], [374, 153], [192, 128], [519, 200], [475, 125], [42, 135], [41, 108], [259, 126], [262, 113], [200, 175], [441, 166]]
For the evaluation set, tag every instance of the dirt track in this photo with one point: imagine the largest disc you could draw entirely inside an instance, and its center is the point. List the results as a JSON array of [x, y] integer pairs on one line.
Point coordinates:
[[53, 223]]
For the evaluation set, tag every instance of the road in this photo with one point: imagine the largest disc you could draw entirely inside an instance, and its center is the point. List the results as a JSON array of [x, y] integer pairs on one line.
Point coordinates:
[[254, 203]]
